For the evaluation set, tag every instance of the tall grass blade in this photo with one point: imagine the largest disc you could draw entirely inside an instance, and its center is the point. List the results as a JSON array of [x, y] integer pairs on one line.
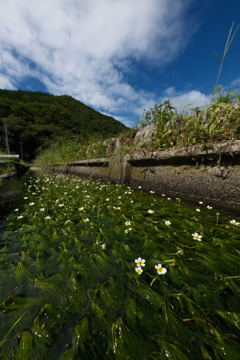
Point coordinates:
[[227, 45]]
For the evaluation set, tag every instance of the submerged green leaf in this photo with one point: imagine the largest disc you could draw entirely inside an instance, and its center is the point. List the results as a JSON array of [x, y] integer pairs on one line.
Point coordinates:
[[69, 287]]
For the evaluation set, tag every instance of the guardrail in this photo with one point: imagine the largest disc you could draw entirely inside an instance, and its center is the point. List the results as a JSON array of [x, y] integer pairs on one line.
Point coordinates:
[[10, 157]]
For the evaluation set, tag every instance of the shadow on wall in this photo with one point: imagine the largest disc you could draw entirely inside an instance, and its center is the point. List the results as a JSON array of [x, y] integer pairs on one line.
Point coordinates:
[[190, 173]]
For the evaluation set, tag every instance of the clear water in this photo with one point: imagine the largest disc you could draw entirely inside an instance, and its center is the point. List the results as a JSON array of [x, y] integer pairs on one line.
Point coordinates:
[[9, 192], [98, 271]]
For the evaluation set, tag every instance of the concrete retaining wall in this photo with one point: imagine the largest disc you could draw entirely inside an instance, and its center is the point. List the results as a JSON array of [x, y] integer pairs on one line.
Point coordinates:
[[13, 161], [190, 173]]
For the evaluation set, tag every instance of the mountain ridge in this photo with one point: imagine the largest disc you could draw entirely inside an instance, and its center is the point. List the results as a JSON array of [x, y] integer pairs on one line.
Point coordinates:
[[33, 118]]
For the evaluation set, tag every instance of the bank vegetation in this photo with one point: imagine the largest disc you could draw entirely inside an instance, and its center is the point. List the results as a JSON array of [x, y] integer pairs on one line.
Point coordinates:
[[161, 127]]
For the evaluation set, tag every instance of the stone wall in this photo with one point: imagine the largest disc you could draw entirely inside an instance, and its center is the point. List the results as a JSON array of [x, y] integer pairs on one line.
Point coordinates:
[[190, 173]]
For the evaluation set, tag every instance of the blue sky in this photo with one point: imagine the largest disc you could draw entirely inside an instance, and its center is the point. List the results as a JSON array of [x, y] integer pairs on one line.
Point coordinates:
[[119, 56]]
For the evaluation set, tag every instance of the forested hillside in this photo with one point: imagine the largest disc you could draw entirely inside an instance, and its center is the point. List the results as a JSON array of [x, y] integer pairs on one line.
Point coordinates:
[[34, 118]]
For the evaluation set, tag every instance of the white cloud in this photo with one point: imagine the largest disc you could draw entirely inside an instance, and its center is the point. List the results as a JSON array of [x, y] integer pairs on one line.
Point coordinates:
[[124, 119], [235, 84], [83, 48], [181, 100], [5, 83]]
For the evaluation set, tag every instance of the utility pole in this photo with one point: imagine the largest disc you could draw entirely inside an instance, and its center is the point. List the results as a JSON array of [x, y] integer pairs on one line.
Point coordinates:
[[6, 134], [21, 149]]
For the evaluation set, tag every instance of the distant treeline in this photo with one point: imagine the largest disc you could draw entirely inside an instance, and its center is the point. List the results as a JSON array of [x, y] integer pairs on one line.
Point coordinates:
[[36, 118]]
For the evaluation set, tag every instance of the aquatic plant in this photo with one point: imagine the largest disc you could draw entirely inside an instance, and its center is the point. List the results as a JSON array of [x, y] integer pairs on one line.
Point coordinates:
[[96, 271]]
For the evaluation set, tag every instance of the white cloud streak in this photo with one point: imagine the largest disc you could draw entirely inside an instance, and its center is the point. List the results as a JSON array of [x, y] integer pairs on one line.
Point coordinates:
[[235, 84], [5, 83], [192, 98], [85, 48]]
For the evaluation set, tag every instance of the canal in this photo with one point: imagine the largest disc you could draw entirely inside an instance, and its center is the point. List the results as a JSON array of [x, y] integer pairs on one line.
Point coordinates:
[[91, 270]]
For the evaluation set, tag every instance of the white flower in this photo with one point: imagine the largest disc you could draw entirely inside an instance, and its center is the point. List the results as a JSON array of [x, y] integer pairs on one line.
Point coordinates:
[[127, 230], [16, 209], [180, 251], [150, 211], [32, 203], [47, 217], [160, 269], [152, 192], [139, 187], [127, 223], [209, 207], [198, 210], [20, 217], [86, 220], [42, 209], [163, 194], [140, 262], [81, 208], [67, 221], [197, 237], [25, 198], [200, 202], [168, 198], [167, 222], [61, 205], [138, 270], [104, 246], [107, 199], [234, 222]]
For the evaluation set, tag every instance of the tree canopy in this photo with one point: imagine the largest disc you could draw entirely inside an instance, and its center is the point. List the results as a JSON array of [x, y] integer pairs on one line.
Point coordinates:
[[36, 118]]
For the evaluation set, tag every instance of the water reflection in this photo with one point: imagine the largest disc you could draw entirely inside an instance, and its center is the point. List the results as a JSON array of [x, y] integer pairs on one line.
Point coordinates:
[[9, 192]]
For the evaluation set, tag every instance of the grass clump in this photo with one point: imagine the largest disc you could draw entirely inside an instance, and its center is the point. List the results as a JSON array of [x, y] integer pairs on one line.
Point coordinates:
[[217, 122], [60, 150], [92, 270], [69, 149]]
